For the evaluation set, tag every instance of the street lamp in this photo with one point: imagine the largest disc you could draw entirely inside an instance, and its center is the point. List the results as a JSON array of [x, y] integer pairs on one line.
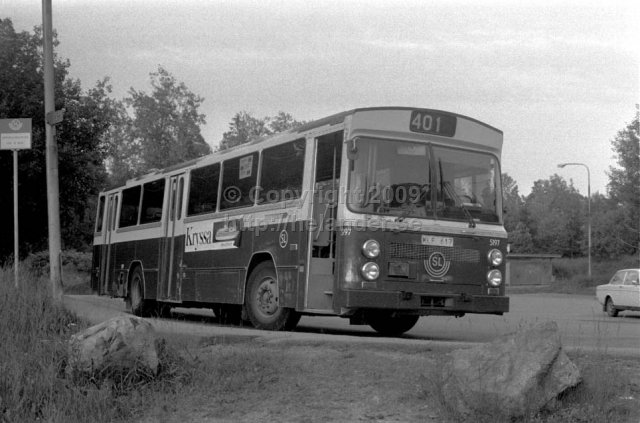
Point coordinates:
[[561, 165]]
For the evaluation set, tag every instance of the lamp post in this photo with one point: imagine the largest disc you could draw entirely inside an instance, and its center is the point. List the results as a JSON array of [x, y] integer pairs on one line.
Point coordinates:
[[561, 165]]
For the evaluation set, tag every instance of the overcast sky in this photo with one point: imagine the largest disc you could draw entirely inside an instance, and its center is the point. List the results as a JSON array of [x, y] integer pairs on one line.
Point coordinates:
[[559, 78]]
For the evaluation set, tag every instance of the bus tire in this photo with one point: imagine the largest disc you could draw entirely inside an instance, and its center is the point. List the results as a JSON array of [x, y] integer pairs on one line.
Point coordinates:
[[388, 324], [261, 301], [136, 304]]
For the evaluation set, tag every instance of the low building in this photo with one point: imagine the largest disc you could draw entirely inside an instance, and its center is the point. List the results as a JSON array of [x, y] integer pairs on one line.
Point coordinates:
[[530, 269]]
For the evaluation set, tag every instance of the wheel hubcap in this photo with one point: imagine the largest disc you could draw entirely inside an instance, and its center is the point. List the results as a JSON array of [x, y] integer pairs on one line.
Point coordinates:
[[267, 296]]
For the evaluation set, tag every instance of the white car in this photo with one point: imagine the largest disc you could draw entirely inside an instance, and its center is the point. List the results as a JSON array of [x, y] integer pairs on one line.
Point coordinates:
[[621, 293]]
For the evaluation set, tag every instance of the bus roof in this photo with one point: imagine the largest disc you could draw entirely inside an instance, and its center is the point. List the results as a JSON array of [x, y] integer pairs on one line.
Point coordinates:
[[331, 120]]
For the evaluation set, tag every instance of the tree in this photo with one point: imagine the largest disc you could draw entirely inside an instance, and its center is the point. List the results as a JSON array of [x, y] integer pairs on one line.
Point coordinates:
[[556, 216], [624, 182], [512, 202], [609, 233], [165, 129], [245, 128], [79, 138]]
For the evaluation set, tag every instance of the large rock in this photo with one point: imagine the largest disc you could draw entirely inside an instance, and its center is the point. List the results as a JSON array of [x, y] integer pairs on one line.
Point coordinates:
[[124, 342], [512, 376]]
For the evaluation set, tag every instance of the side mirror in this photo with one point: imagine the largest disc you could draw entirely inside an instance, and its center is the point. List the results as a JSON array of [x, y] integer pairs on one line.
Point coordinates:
[[352, 150]]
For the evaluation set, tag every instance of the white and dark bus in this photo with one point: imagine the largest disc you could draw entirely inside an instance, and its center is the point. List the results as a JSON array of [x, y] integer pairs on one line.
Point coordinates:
[[378, 215]]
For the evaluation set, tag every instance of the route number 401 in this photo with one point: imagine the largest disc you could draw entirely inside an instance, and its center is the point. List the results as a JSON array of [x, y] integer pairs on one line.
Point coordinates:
[[494, 242], [430, 122]]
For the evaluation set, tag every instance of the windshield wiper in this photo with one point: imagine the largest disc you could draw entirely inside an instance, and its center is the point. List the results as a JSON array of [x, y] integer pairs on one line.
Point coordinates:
[[452, 194]]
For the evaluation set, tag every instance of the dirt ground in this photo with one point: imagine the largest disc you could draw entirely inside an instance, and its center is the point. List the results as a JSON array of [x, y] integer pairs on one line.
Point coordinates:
[[253, 380]]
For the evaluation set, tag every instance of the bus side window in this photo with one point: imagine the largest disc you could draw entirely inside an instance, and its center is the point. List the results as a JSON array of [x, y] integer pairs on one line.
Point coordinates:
[[203, 190], [130, 207], [282, 171], [100, 214], [152, 199], [239, 177]]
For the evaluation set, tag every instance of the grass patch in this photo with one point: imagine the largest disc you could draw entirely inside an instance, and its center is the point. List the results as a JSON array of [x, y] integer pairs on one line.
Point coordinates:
[[33, 354]]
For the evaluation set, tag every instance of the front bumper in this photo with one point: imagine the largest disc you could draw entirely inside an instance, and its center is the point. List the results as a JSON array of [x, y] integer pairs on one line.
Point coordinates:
[[426, 304]]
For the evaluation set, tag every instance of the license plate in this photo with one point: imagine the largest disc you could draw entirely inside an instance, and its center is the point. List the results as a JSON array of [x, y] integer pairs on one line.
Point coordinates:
[[438, 241]]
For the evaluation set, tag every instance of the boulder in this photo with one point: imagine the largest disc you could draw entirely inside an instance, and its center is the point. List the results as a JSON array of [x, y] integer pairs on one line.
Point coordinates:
[[124, 342], [512, 376]]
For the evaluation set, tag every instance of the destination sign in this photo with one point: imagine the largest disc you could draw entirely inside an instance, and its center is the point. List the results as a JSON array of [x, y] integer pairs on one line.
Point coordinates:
[[429, 122]]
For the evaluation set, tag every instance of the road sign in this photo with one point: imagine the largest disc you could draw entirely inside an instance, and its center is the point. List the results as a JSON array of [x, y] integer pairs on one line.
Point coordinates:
[[15, 134]]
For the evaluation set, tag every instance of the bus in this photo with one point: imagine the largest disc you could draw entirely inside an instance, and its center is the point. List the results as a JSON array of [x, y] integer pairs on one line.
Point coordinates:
[[377, 215]]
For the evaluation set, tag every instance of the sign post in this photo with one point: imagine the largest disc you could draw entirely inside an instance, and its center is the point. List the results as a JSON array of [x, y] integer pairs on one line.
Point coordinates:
[[15, 134]]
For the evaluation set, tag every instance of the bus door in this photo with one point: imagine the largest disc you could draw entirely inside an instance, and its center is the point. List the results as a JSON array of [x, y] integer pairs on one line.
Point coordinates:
[[106, 250], [322, 237], [170, 275]]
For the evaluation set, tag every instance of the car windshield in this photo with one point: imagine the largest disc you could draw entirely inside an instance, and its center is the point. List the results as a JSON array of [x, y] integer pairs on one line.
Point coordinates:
[[409, 179]]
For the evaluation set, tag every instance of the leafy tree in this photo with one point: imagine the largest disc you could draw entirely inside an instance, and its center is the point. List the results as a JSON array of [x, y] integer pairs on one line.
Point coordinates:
[[165, 129], [624, 182], [513, 203], [556, 216], [521, 240], [79, 136], [610, 235], [245, 128]]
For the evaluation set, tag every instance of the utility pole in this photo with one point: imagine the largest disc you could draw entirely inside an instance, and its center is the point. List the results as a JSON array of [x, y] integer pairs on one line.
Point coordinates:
[[53, 191]]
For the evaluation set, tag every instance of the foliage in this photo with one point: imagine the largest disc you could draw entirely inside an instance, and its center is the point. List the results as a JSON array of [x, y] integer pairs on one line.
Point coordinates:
[[245, 128], [556, 214], [165, 129], [624, 182], [79, 138]]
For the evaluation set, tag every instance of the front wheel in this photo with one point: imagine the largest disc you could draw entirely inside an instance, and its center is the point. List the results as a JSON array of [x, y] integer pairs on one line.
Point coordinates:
[[262, 302], [388, 324], [610, 308]]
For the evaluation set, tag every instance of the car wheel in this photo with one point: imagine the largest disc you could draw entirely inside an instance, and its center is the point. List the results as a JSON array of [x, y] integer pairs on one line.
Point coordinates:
[[262, 302], [610, 308]]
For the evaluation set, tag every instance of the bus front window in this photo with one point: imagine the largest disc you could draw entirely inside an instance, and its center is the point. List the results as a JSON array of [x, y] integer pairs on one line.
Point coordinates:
[[409, 179]]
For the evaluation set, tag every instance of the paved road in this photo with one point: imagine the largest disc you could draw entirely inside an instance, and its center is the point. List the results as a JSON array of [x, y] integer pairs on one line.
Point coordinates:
[[582, 324]]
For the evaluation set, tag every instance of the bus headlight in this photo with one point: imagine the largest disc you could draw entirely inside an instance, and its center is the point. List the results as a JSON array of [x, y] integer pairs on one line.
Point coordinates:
[[371, 248], [370, 271], [494, 278], [495, 257]]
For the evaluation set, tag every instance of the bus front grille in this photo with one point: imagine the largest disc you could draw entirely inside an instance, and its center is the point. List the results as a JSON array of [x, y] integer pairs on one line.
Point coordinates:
[[422, 252]]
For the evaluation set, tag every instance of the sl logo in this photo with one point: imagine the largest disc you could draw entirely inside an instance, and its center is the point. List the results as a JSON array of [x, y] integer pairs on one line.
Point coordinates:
[[436, 265]]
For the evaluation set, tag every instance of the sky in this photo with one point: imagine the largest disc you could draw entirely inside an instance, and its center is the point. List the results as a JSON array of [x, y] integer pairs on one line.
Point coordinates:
[[559, 78]]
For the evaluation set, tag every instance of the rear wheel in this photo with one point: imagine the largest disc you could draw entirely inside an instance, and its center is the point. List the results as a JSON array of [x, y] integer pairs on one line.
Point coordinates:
[[610, 308], [262, 302], [136, 304], [389, 324]]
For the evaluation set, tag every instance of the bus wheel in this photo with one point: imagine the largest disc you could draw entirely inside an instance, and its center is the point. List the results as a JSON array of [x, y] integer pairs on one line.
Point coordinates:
[[388, 324], [136, 303], [261, 302]]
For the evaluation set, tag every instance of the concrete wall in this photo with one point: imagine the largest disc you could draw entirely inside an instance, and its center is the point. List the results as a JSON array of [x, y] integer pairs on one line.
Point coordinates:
[[529, 269]]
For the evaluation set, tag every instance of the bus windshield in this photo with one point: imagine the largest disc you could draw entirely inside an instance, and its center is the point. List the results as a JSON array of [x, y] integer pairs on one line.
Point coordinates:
[[408, 179]]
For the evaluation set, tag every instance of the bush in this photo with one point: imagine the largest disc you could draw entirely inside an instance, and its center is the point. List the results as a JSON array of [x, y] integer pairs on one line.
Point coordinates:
[[575, 270], [38, 263]]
